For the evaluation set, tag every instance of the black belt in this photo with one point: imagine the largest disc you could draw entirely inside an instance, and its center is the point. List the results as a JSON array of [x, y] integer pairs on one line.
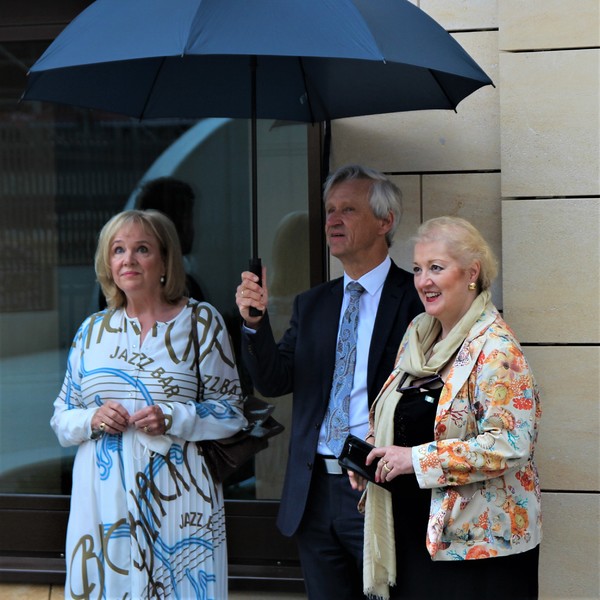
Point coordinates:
[[330, 464]]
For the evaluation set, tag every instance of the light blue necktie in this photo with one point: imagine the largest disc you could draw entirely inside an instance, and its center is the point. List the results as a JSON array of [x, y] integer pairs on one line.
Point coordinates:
[[338, 412]]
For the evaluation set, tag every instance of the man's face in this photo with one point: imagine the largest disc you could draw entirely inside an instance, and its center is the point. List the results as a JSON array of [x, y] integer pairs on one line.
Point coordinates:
[[352, 230]]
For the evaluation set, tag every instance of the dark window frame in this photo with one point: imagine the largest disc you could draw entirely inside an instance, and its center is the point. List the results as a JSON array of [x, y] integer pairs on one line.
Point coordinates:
[[34, 529], [34, 526]]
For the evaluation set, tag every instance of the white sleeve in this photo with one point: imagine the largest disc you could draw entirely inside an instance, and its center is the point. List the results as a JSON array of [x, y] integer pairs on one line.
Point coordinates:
[[71, 420]]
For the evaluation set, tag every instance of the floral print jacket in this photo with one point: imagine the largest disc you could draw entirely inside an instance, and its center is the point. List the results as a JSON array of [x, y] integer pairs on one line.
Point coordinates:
[[485, 493]]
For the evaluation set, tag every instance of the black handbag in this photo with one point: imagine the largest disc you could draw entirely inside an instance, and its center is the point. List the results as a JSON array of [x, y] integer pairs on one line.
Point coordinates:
[[353, 457], [225, 456]]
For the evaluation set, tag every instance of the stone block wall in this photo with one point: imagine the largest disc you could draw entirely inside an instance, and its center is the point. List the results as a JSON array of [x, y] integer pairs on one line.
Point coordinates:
[[522, 162]]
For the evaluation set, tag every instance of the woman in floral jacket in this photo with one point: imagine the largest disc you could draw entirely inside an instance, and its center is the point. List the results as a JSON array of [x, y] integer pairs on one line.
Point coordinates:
[[454, 427]]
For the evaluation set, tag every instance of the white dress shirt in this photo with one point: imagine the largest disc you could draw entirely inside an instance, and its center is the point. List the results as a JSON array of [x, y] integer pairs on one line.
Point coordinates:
[[367, 311]]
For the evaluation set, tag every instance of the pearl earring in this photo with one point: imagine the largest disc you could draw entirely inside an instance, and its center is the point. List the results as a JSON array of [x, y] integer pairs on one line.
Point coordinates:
[[162, 279], [472, 286]]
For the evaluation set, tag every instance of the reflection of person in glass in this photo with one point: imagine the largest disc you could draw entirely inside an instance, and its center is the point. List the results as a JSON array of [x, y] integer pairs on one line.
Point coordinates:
[[174, 198], [455, 427], [289, 277], [146, 518]]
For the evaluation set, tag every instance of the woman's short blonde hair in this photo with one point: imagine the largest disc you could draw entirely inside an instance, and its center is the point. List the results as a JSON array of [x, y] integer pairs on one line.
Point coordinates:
[[465, 243], [156, 223]]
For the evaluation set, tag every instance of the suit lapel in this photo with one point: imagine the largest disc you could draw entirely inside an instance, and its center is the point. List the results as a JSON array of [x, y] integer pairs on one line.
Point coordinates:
[[328, 322], [389, 303], [467, 356]]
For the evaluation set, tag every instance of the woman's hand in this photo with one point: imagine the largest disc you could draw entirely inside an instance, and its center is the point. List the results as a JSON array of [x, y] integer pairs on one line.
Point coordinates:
[[249, 293], [150, 420], [395, 460], [111, 417]]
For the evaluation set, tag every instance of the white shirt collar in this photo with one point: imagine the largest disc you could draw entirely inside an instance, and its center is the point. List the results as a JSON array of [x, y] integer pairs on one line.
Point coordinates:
[[373, 280]]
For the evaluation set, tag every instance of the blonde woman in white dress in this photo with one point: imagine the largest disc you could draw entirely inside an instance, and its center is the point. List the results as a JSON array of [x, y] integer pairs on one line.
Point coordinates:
[[146, 520]]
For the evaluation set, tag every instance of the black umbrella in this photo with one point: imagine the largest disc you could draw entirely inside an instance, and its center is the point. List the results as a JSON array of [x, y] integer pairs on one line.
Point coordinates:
[[298, 60]]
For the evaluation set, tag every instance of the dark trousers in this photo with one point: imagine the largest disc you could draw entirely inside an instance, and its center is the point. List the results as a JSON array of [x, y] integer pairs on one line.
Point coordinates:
[[420, 578], [330, 539], [514, 576]]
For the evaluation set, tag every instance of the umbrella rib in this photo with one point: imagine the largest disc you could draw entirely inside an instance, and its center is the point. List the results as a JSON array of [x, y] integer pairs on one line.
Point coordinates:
[[450, 102], [310, 110], [149, 94]]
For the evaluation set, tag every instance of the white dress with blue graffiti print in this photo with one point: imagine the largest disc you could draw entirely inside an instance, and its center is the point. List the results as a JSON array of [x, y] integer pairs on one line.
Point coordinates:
[[146, 519]]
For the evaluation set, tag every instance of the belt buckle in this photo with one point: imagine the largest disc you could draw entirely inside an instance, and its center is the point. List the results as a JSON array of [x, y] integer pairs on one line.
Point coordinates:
[[332, 466]]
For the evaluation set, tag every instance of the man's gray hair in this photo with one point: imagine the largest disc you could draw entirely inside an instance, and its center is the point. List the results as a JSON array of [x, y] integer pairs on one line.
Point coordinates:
[[384, 196]]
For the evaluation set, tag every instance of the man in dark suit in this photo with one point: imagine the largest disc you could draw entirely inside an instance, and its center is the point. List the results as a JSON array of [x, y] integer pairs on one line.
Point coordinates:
[[318, 505]]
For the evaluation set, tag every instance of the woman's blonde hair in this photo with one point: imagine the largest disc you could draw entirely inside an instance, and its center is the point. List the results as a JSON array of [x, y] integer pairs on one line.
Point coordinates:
[[153, 222], [465, 243]]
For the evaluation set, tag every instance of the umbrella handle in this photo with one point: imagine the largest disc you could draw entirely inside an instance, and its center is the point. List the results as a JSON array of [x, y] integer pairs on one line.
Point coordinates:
[[255, 266]]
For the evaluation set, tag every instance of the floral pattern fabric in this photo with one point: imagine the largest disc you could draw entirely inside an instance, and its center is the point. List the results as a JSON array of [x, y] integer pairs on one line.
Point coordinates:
[[485, 493], [146, 519]]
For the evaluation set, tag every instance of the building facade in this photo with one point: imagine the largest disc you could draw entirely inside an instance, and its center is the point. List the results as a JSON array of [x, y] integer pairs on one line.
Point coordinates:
[[521, 160]]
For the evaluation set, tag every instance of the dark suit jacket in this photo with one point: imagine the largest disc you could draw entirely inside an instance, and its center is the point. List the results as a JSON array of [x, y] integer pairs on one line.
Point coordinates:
[[303, 363]]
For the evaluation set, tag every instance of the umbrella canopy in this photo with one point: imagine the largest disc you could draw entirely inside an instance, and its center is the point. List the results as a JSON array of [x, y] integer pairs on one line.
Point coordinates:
[[297, 60], [315, 60]]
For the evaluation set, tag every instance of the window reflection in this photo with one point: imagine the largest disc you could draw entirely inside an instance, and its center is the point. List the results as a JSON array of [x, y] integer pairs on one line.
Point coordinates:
[[64, 172], [288, 277]]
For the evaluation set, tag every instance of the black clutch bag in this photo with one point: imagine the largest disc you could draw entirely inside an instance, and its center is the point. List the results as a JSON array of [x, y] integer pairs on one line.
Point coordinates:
[[353, 457]]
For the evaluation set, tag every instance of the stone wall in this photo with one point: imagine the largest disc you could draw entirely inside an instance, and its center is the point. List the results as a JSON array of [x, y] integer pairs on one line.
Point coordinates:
[[522, 162]]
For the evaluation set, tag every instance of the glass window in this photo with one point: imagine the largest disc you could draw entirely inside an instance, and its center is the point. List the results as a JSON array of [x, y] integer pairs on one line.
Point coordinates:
[[64, 172]]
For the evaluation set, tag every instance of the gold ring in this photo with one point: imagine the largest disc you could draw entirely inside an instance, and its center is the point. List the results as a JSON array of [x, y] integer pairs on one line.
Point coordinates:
[[387, 469], [146, 429], [102, 426]]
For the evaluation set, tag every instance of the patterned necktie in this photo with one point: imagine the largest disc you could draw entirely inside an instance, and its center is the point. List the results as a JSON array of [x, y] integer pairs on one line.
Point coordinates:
[[338, 412]]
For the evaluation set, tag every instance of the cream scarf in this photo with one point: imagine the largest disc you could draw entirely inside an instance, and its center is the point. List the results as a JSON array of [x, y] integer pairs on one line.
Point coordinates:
[[379, 566]]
